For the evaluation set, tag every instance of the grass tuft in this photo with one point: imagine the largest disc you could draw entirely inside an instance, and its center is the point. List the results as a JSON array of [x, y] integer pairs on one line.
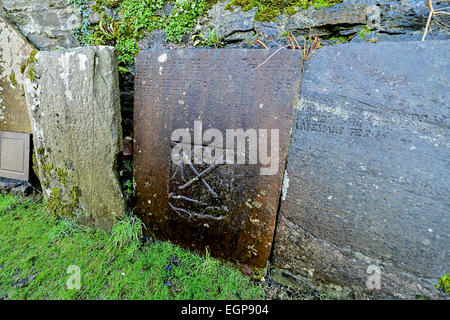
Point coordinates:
[[126, 231]]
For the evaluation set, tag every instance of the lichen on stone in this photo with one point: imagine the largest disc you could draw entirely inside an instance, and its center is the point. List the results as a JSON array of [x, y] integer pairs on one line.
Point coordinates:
[[269, 10], [61, 184], [30, 64]]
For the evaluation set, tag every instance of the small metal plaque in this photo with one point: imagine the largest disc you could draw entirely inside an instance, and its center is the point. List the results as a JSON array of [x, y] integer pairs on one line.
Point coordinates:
[[229, 208], [14, 155]]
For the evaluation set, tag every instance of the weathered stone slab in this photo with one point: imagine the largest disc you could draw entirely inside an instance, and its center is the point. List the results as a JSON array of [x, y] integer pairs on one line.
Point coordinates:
[[14, 53], [232, 209], [368, 168], [14, 155], [74, 111]]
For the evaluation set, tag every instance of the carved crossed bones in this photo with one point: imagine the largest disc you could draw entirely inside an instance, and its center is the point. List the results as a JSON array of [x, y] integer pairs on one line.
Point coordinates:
[[198, 176]]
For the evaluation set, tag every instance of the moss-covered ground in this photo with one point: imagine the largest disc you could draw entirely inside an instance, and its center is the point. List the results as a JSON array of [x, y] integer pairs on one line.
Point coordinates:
[[37, 248]]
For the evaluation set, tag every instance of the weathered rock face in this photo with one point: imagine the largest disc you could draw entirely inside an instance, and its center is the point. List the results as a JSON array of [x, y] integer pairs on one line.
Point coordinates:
[[14, 53], [46, 23], [228, 25], [368, 168], [388, 20], [321, 21], [74, 110]]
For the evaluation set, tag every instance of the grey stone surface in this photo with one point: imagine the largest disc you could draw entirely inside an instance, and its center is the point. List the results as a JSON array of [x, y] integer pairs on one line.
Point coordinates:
[[15, 51], [368, 168], [46, 23], [229, 25], [320, 20], [75, 116]]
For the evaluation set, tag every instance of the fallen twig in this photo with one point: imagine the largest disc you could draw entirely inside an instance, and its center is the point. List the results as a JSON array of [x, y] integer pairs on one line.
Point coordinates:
[[271, 56], [306, 49], [432, 15], [262, 44]]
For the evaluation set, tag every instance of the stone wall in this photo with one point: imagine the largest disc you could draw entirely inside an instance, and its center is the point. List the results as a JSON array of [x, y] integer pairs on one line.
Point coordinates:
[[320, 239], [50, 23]]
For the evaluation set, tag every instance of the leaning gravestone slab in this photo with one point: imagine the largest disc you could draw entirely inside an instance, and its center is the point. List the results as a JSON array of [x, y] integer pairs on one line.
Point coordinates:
[[73, 103], [368, 169], [227, 207], [14, 54]]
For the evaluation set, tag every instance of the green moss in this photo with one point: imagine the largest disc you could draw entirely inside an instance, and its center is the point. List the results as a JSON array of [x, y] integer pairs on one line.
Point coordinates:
[[444, 284], [30, 64], [55, 201], [338, 40], [12, 78], [211, 40], [289, 10], [62, 207], [137, 18], [40, 151], [269, 10]]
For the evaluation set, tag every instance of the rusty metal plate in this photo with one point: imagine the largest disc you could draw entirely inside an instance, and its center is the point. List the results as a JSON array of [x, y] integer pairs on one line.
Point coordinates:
[[14, 155], [224, 206]]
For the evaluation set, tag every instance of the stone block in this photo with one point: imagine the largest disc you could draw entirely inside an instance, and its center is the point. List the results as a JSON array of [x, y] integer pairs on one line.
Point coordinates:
[[74, 110], [368, 168], [14, 54], [232, 208]]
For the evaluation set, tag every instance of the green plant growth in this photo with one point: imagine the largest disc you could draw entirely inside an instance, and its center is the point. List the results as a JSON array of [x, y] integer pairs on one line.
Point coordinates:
[[338, 40], [365, 32], [125, 231], [269, 10], [128, 189], [134, 19], [82, 7], [31, 74], [63, 197], [183, 17], [12, 79], [444, 283], [212, 40]]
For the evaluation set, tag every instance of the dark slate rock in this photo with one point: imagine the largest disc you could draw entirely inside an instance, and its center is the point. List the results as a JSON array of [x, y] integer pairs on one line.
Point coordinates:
[[15, 187], [368, 168], [235, 25]]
